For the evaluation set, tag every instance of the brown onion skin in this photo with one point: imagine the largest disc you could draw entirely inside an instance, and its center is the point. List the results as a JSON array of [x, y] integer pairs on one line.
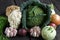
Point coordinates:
[[55, 18]]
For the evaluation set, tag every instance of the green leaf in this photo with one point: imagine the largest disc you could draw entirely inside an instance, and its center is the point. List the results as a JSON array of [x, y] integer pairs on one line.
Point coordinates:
[[3, 23], [3, 37], [51, 6], [34, 13]]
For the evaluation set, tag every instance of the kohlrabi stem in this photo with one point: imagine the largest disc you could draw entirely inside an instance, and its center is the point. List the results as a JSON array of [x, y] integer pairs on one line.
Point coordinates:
[[24, 20]]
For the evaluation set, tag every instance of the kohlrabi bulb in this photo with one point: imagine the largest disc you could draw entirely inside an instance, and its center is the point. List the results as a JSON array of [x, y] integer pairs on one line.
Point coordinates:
[[48, 33]]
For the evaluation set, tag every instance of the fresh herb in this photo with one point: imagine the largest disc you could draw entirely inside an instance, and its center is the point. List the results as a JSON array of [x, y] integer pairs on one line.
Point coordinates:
[[3, 37], [3, 23]]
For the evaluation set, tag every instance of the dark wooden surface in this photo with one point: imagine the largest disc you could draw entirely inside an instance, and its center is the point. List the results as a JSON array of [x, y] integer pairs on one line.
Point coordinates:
[[5, 3]]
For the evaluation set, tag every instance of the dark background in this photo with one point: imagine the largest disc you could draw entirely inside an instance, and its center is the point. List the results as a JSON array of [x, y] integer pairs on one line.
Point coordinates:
[[5, 3]]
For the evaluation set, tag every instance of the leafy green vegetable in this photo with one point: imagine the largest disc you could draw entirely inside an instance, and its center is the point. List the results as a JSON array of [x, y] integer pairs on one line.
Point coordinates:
[[3, 37], [34, 17], [37, 13], [51, 6], [3, 23]]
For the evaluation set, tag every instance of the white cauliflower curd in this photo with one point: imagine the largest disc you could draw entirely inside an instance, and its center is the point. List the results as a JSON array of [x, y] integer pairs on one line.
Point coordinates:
[[14, 16]]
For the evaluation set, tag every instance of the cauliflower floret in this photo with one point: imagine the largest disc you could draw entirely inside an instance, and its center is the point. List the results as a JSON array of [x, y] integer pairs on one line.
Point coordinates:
[[14, 15], [14, 18]]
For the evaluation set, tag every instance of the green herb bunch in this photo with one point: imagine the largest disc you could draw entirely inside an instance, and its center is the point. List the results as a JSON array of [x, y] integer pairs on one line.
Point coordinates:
[[3, 23]]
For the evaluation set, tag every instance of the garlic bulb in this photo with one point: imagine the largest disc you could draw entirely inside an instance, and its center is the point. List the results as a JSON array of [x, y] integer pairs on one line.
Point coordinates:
[[35, 31], [14, 16], [10, 32]]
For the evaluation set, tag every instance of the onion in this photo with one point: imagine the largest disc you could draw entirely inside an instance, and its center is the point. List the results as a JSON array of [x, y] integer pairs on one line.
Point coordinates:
[[53, 25], [55, 18], [22, 32]]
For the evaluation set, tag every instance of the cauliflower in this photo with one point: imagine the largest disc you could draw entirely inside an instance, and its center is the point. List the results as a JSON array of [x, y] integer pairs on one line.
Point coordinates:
[[14, 16]]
